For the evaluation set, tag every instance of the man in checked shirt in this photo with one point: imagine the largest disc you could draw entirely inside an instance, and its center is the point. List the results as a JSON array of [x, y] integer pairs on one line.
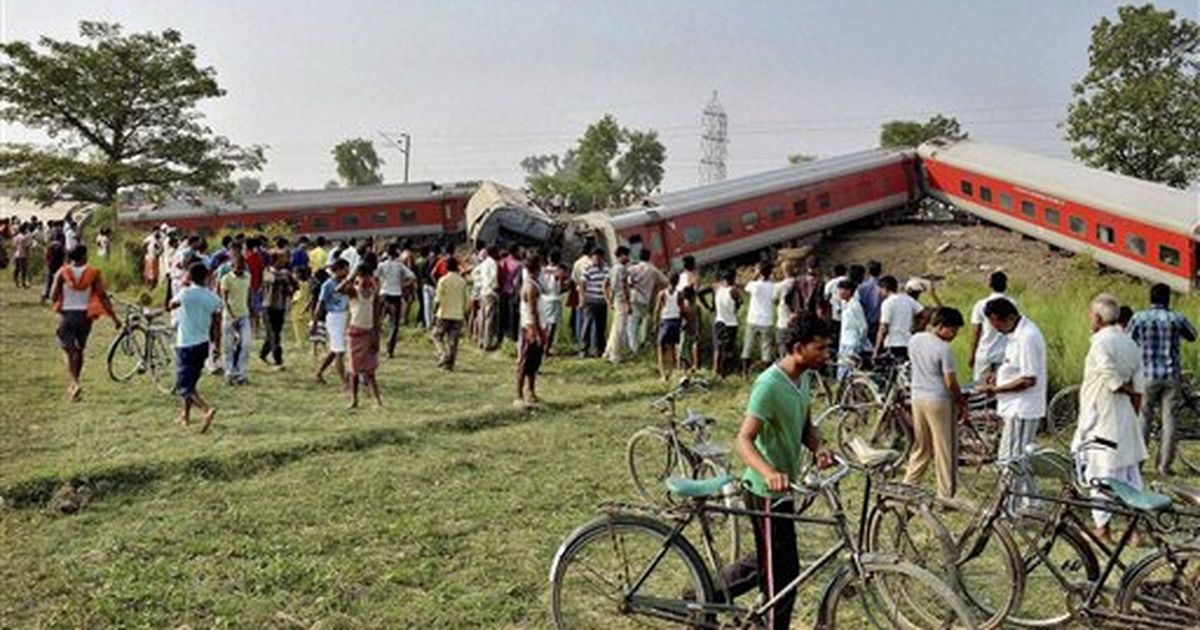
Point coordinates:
[[1158, 331]]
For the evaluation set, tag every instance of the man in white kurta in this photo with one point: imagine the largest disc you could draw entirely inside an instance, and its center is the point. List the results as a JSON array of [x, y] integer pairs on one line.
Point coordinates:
[[1108, 405]]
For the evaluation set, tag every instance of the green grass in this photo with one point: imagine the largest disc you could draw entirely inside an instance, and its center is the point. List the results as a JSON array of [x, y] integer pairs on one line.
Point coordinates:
[[442, 510]]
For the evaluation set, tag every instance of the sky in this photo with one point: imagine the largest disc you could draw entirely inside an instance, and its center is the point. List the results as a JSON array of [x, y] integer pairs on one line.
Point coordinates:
[[481, 84]]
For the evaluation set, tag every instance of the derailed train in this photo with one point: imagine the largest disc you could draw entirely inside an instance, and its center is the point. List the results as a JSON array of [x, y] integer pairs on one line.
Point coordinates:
[[1145, 229]]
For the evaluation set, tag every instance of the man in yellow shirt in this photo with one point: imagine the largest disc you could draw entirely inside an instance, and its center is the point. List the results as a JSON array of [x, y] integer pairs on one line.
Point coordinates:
[[318, 255], [450, 305]]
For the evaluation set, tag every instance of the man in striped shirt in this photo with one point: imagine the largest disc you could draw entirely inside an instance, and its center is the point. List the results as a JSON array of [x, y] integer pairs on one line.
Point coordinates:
[[1158, 331], [595, 305]]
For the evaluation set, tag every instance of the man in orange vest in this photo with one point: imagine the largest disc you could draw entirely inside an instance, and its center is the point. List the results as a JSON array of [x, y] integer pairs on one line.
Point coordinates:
[[79, 297]]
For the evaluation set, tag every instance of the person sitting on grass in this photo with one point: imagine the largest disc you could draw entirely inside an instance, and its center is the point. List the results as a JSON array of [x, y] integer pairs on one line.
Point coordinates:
[[776, 429], [199, 312], [79, 297], [331, 306], [365, 316]]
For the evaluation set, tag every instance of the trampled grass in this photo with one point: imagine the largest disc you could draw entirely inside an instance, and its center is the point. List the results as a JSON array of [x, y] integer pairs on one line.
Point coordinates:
[[442, 510]]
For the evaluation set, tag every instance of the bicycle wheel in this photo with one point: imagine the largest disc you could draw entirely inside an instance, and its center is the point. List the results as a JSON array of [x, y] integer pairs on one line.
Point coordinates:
[[859, 391], [1045, 602], [1187, 428], [854, 600], [1061, 416], [911, 532], [991, 575], [650, 458], [161, 360], [1164, 587], [125, 356], [596, 567]]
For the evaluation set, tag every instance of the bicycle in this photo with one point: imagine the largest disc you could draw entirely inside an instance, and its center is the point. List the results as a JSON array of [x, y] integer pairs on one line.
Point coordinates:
[[645, 569], [874, 408], [143, 346], [1062, 555], [655, 453], [1062, 414]]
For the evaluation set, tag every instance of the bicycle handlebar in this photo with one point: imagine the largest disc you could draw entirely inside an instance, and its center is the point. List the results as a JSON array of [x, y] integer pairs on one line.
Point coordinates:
[[813, 480]]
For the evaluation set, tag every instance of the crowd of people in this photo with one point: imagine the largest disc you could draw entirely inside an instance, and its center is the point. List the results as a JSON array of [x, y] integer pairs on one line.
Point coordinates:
[[350, 294]]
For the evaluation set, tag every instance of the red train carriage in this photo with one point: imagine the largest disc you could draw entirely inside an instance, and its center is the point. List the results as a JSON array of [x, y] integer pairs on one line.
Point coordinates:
[[1145, 229], [420, 210], [729, 218]]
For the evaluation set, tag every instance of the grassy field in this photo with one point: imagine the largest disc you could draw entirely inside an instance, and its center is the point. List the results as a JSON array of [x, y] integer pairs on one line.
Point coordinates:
[[442, 510]]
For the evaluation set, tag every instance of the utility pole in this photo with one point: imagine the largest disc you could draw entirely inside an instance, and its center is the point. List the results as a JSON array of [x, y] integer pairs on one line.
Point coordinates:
[[714, 142], [403, 147]]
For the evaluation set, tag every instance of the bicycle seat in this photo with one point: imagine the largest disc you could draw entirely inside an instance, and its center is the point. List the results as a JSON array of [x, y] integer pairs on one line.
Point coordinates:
[[871, 457], [1137, 499], [696, 488], [1187, 494], [695, 421]]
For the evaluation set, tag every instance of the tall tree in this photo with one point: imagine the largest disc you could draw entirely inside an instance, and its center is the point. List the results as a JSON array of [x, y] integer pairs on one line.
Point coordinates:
[[122, 112], [271, 187], [608, 165], [357, 162], [1137, 110], [248, 186], [899, 134]]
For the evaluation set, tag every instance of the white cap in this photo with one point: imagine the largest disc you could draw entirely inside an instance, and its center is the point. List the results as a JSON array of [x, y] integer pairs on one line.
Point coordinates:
[[918, 285]]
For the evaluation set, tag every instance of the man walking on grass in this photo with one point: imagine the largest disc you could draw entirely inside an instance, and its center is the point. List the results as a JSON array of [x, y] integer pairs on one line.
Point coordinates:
[[79, 297], [199, 309], [987, 343], [593, 294], [333, 306], [533, 341], [935, 397], [450, 304], [1159, 331], [234, 286]]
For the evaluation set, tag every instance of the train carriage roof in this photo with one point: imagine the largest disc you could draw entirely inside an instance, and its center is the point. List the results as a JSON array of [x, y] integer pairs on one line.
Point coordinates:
[[732, 190], [308, 200], [1170, 208]]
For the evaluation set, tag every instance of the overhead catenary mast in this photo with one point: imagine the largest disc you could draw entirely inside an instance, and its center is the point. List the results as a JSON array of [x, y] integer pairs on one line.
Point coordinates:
[[714, 142]]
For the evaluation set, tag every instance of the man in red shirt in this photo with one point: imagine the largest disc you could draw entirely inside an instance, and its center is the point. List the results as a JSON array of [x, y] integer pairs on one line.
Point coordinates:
[[256, 262]]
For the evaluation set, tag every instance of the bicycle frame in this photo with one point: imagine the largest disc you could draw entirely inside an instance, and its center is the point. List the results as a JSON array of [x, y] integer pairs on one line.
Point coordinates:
[[804, 497], [1089, 605]]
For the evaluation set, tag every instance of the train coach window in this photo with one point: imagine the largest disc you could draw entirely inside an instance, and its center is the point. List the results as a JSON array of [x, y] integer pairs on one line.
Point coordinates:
[[1135, 244], [693, 235], [823, 200], [966, 188], [1052, 216], [723, 227], [1105, 234], [379, 218], [408, 216], [320, 224], [749, 219], [985, 194], [776, 213], [635, 246], [800, 207], [1077, 225], [1168, 255], [1029, 210], [350, 220], [1006, 201]]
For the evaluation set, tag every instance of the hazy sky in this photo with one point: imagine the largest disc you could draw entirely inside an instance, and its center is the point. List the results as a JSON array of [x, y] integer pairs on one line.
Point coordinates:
[[481, 84]]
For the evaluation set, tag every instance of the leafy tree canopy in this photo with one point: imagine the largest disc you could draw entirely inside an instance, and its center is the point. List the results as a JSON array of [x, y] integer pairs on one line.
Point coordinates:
[[1137, 110], [609, 165], [901, 134], [357, 162], [248, 186], [121, 112]]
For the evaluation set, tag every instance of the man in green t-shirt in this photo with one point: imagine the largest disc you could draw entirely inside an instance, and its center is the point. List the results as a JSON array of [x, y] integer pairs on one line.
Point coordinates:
[[776, 429]]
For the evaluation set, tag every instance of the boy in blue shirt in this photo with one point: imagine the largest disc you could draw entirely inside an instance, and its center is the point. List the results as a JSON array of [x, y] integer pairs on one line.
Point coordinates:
[[332, 306], [199, 312]]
